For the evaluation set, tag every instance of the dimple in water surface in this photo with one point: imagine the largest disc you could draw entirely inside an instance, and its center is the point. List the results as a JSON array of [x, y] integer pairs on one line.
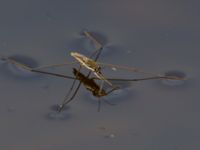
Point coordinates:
[[174, 83]]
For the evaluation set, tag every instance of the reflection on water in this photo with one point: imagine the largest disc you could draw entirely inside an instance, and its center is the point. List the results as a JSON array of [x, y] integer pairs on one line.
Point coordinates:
[[119, 95]]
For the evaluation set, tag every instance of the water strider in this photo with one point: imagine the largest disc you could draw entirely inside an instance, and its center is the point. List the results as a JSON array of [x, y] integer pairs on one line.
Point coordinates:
[[89, 82]]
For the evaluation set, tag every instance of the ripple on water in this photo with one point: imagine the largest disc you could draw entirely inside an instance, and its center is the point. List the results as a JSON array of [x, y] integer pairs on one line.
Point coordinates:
[[85, 46], [14, 70], [55, 115], [100, 37], [56, 107], [174, 83]]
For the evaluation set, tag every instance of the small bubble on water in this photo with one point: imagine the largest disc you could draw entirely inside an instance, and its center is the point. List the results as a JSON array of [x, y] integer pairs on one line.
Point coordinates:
[[110, 136]]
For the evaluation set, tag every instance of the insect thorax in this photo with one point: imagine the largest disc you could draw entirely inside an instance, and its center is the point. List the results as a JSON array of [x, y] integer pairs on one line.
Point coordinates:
[[99, 93]]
